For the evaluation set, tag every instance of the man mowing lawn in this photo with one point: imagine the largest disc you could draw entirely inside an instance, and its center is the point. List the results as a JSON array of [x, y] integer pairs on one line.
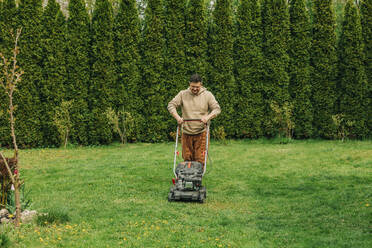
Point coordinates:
[[196, 103]]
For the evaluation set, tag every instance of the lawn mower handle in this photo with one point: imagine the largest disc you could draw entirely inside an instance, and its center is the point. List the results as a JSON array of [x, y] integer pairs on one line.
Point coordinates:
[[206, 147]]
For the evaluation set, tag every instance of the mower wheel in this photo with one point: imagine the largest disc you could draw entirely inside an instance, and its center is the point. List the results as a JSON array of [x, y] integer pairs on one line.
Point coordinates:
[[170, 198]]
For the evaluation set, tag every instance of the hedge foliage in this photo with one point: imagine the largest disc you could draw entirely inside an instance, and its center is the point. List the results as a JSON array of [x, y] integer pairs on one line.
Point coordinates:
[[299, 69], [323, 68], [352, 82], [251, 55]]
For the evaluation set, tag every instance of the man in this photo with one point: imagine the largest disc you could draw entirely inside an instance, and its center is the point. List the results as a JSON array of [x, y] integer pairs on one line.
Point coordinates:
[[196, 103]]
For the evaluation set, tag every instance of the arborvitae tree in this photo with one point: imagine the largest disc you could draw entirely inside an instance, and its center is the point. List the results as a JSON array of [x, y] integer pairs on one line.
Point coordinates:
[[366, 16], [78, 69], [352, 81], [276, 32], [103, 79], [153, 83], [196, 38], [8, 13], [28, 129], [299, 69], [53, 43], [248, 69], [174, 59], [221, 77], [323, 59], [127, 59], [8, 22]]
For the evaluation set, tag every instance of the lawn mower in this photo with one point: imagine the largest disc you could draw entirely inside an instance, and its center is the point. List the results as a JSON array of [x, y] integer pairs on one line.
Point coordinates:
[[187, 186]]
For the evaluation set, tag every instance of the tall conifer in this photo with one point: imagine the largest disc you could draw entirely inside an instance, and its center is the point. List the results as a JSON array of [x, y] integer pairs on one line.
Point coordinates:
[[28, 128], [127, 59], [323, 59], [53, 42], [77, 59], [248, 69], [8, 21], [174, 59], [299, 69], [196, 38], [221, 77], [352, 83], [153, 84], [8, 13], [103, 79], [174, 32], [275, 24], [366, 16]]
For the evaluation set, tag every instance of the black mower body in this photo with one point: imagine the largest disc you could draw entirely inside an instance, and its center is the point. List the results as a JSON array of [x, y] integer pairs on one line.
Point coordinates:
[[188, 184]]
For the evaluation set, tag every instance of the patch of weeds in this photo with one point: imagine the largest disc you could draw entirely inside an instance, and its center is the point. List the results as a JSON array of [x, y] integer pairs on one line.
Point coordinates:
[[4, 240], [25, 200], [53, 216], [282, 140]]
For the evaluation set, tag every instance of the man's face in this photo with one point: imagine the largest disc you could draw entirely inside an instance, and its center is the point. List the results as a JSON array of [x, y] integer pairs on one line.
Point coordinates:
[[195, 87]]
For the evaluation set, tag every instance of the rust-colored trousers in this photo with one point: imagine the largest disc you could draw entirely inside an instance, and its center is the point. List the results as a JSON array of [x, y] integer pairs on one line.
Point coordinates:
[[193, 147]]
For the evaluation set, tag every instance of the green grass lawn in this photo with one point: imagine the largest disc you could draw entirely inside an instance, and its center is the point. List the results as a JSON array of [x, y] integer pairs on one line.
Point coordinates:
[[260, 194]]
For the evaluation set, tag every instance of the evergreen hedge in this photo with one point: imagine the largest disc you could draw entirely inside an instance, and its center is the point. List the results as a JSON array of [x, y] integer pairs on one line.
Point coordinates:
[[324, 68], [352, 83], [153, 91], [27, 97], [275, 26], [221, 79], [366, 20], [248, 70], [299, 69], [175, 75], [8, 22], [103, 82], [78, 70], [249, 53], [196, 38], [127, 61], [53, 43]]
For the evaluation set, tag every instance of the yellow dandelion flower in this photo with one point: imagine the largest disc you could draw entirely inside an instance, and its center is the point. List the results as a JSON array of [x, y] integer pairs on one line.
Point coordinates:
[[219, 245], [157, 228], [217, 239], [41, 239], [367, 205], [59, 238], [10, 215]]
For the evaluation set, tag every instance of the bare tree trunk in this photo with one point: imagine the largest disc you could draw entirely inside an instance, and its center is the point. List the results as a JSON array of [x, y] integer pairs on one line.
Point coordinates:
[[11, 80]]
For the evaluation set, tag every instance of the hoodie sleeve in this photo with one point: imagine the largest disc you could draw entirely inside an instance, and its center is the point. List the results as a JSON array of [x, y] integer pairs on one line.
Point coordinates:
[[175, 103], [213, 105]]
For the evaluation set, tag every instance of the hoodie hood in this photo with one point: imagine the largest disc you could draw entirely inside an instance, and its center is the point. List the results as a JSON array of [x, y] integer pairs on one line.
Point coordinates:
[[202, 89]]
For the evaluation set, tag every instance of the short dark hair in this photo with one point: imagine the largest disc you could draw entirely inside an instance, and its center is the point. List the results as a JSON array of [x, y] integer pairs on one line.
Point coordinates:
[[195, 78]]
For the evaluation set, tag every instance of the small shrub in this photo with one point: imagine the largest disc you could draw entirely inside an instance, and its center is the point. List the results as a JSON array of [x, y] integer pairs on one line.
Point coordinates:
[[53, 216], [4, 240], [219, 134], [342, 125], [63, 121], [123, 123], [283, 116]]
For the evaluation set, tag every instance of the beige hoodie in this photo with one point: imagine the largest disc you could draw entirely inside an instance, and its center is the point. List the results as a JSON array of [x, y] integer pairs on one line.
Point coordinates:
[[194, 107]]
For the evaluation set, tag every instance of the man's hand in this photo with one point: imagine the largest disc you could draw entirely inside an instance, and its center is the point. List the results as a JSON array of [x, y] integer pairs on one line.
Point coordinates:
[[179, 120], [205, 119]]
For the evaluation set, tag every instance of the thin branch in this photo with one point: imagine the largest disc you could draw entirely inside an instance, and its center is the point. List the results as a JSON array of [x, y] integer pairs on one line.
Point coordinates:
[[8, 168]]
